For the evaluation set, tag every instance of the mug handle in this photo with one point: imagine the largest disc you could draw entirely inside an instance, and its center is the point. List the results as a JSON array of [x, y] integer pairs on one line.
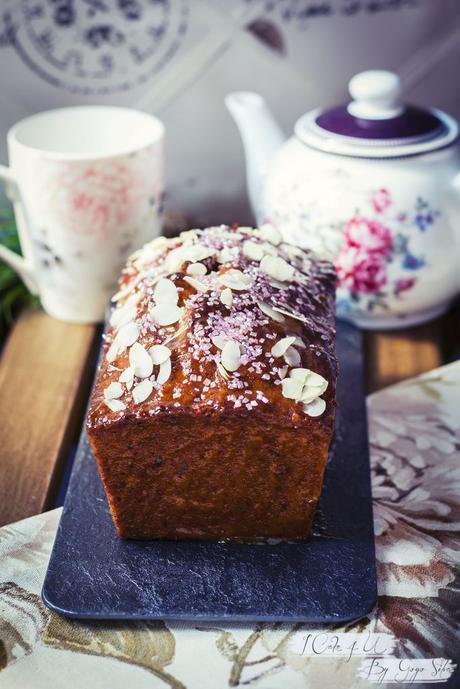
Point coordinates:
[[22, 266]]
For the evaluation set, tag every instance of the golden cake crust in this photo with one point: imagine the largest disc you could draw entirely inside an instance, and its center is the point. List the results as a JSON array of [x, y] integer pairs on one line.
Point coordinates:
[[231, 419]]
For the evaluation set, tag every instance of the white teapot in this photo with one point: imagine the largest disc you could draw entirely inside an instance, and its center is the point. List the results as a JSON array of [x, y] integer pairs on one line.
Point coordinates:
[[371, 185]]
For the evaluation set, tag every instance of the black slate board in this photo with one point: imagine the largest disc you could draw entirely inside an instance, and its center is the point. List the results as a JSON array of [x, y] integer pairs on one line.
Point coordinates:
[[330, 578]]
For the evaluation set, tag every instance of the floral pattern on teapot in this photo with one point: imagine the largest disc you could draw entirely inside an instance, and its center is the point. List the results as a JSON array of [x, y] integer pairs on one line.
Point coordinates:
[[371, 251]]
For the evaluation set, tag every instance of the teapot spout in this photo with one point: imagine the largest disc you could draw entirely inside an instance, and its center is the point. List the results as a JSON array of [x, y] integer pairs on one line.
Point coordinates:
[[261, 136]]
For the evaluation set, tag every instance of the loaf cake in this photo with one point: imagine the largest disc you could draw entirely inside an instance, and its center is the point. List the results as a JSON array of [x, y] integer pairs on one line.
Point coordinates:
[[213, 407]]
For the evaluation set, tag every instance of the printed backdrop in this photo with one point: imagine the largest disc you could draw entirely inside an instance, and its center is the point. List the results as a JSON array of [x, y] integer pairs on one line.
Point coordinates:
[[415, 458], [178, 59]]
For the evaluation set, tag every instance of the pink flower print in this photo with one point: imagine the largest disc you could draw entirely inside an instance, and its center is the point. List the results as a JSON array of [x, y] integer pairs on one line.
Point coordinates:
[[98, 198], [369, 235], [380, 200], [404, 284], [361, 271]]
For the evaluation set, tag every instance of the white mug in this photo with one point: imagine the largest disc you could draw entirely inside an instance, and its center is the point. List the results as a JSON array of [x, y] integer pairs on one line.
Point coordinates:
[[86, 184]]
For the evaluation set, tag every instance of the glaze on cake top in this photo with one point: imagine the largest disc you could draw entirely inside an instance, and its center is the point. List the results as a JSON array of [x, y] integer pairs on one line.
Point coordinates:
[[224, 319]]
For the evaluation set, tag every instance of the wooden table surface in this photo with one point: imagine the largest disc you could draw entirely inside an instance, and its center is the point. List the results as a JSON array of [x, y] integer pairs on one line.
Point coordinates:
[[46, 370]]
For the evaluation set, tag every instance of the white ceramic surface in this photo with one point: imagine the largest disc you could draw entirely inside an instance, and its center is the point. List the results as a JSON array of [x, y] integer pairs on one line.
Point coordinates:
[[86, 183], [390, 223]]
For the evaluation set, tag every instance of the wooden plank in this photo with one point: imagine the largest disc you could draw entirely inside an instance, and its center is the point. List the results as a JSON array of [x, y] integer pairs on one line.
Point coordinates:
[[395, 355], [45, 375]]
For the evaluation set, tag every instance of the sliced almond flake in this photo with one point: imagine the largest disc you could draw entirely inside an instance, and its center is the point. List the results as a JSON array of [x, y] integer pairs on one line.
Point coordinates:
[[142, 391], [282, 372], [293, 251], [165, 292], [297, 317], [134, 299], [197, 284], [292, 388], [253, 250], [127, 375], [270, 312], [188, 235], [270, 233], [226, 297], [310, 378], [141, 361], [300, 373], [269, 249], [245, 229], [196, 269], [159, 354], [115, 405], [316, 380], [175, 259], [227, 254], [235, 279], [125, 337], [281, 346], [129, 383], [292, 357], [309, 394], [222, 371], [277, 284], [112, 351], [198, 252], [277, 268], [166, 314], [164, 372], [113, 391], [310, 390], [306, 263], [219, 341], [187, 252], [315, 408], [123, 315], [298, 342], [147, 254], [231, 356], [297, 385]]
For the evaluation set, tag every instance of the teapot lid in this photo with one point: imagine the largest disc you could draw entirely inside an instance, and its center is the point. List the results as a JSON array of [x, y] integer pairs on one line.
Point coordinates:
[[376, 123]]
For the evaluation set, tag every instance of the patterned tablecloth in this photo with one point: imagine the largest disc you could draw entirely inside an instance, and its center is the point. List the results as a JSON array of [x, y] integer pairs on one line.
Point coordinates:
[[412, 637]]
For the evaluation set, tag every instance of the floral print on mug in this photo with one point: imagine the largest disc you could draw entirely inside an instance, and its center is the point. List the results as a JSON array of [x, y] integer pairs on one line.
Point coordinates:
[[101, 198]]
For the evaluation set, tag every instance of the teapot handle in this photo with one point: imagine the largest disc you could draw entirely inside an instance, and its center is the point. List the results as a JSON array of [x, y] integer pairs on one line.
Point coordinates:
[[452, 204], [452, 209]]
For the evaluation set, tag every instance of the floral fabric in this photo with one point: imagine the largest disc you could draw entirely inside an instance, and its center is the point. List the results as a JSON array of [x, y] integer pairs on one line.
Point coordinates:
[[415, 457]]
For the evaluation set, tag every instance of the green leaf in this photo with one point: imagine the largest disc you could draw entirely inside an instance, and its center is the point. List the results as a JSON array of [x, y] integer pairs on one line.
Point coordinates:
[[14, 295]]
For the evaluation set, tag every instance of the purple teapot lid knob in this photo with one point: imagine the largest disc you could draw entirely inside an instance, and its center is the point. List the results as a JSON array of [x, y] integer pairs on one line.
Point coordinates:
[[376, 123], [376, 95]]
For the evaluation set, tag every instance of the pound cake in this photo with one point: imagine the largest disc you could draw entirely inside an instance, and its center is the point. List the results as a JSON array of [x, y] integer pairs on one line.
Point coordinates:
[[213, 408]]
